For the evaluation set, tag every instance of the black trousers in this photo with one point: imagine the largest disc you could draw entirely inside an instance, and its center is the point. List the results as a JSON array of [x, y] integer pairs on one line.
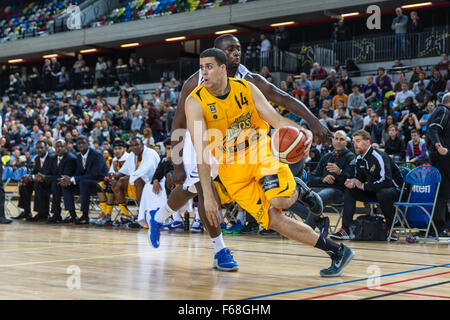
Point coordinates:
[[85, 188], [2, 193], [386, 197], [42, 192], [442, 164], [67, 194]]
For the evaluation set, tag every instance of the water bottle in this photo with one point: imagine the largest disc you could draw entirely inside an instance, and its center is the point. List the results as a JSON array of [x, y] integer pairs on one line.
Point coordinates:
[[186, 220]]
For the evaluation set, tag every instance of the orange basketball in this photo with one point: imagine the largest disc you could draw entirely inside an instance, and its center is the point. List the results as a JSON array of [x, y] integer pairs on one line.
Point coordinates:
[[288, 144]]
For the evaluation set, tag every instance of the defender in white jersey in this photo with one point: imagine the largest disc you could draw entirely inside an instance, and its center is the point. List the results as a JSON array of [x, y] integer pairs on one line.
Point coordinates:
[[186, 175]]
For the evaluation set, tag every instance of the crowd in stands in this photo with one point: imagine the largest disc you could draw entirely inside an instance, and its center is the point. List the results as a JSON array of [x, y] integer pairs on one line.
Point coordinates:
[[24, 19]]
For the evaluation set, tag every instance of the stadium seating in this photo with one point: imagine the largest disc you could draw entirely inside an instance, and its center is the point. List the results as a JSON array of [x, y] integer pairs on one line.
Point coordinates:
[[30, 20]]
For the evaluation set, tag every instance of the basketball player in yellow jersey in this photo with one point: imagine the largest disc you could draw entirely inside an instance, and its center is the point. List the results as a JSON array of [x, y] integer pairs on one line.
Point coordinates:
[[238, 111]]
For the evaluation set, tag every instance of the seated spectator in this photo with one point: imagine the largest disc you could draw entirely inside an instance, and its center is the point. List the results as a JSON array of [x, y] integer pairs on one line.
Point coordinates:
[[304, 83], [397, 66], [329, 86], [147, 138], [444, 63], [383, 81], [374, 180], [416, 149], [421, 80], [298, 92], [340, 95], [385, 110], [15, 138], [419, 99], [329, 176], [352, 68], [424, 119], [326, 106], [356, 99], [357, 123], [369, 112], [324, 95], [370, 91], [409, 122], [346, 82], [394, 146], [342, 121], [332, 77], [416, 75], [266, 73], [318, 72], [402, 95], [389, 120], [436, 85], [313, 107], [107, 133], [398, 85], [375, 128], [325, 119]]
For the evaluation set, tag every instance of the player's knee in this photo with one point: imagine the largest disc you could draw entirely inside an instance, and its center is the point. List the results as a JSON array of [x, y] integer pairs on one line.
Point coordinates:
[[283, 202], [274, 218]]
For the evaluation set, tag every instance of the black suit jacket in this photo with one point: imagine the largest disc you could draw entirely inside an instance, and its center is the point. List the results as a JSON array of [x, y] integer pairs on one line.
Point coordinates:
[[67, 167], [96, 167], [45, 169]]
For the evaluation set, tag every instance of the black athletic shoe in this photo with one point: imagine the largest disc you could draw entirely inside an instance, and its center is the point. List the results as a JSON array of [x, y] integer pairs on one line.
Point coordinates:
[[339, 262], [4, 220], [37, 218], [82, 220], [54, 219], [310, 198], [23, 215], [250, 228], [269, 232], [69, 219]]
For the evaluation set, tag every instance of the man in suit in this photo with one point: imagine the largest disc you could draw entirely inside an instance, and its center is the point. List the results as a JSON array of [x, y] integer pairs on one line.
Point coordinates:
[[64, 163], [91, 169], [42, 189]]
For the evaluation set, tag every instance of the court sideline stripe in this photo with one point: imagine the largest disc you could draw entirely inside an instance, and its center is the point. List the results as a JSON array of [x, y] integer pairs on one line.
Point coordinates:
[[382, 285], [345, 282], [406, 290], [411, 293]]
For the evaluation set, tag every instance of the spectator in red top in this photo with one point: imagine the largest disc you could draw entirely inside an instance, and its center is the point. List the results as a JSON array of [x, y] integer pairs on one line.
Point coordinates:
[[154, 121], [298, 93], [318, 72], [443, 64]]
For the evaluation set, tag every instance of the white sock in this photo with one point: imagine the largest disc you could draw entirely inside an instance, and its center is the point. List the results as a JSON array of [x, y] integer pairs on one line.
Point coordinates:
[[218, 243], [163, 213], [197, 217], [241, 217], [176, 216]]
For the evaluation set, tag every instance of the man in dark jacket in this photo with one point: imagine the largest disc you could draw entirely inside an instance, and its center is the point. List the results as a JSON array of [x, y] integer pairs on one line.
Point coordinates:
[[64, 163], [154, 122], [438, 142], [374, 180], [91, 169], [330, 175], [31, 182]]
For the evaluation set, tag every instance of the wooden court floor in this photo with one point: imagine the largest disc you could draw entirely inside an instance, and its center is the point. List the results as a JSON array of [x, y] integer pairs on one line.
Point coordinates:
[[41, 261]]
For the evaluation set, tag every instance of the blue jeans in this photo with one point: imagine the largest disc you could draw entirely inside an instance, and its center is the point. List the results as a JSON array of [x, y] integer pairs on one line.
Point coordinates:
[[400, 41]]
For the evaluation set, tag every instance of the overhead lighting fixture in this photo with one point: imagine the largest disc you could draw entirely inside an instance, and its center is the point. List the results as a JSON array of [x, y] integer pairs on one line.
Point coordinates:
[[15, 60], [176, 39], [50, 56], [134, 44], [88, 51], [282, 24], [416, 5], [351, 14], [226, 31]]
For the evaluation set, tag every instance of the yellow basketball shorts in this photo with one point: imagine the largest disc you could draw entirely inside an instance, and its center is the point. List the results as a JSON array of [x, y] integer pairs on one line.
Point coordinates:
[[224, 196], [131, 192], [253, 186]]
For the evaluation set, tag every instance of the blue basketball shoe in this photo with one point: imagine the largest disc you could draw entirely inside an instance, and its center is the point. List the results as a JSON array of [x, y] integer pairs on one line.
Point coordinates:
[[155, 227], [223, 261]]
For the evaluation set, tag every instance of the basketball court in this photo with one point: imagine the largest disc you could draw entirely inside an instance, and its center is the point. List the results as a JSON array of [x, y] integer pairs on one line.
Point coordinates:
[[41, 261]]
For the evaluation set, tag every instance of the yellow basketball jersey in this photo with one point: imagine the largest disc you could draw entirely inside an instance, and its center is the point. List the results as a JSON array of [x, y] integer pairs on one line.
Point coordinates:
[[243, 133]]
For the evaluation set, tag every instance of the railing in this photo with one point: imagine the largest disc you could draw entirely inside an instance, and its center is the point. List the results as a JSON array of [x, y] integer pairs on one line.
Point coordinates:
[[377, 48]]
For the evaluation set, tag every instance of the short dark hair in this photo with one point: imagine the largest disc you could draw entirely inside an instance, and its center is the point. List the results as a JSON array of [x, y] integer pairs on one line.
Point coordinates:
[[167, 142], [220, 39], [356, 110], [217, 54], [414, 131]]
